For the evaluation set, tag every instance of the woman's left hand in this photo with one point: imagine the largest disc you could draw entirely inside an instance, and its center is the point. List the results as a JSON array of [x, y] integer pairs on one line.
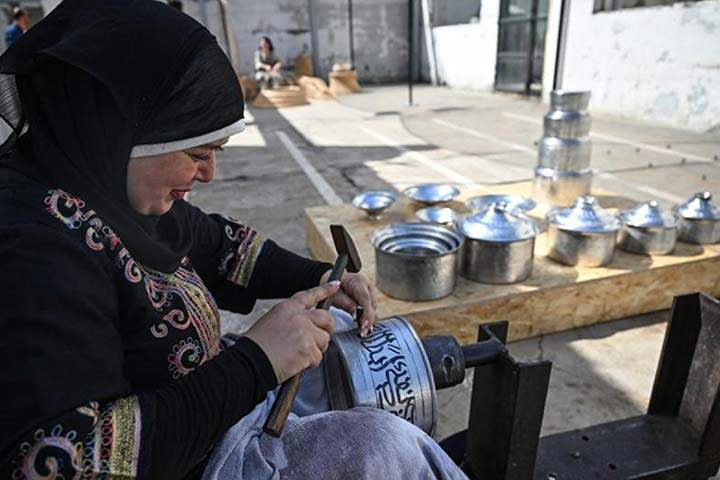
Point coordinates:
[[355, 290]]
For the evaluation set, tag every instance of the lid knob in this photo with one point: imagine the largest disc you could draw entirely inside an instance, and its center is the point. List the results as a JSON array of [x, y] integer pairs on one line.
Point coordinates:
[[704, 195], [501, 206], [653, 203], [586, 200]]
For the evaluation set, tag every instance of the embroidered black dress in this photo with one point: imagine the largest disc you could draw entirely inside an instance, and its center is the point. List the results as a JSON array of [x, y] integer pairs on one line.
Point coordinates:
[[110, 369]]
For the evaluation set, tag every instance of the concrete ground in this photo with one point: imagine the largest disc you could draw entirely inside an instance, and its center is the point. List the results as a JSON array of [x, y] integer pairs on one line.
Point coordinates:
[[328, 151]]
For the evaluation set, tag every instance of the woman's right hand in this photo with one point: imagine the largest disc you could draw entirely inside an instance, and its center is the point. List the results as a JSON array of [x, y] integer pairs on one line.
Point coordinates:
[[293, 334]]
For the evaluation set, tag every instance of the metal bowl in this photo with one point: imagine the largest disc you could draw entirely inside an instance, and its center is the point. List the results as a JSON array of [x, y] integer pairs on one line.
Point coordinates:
[[514, 203], [566, 154], [432, 193], [416, 261], [569, 100], [562, 123], [561, 188], [374, 202], [442, 215]]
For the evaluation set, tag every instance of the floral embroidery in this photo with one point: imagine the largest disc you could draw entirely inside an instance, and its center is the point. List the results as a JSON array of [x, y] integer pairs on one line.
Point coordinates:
[[238, 263], [186, 356], [201, 311], [199, 308], [110, 448]]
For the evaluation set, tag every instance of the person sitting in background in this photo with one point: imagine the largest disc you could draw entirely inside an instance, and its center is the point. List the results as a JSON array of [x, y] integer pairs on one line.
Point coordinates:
[[267, 65], [18, 27]]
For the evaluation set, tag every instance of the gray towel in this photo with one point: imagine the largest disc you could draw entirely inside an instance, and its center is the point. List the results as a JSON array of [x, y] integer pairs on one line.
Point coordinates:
[[362, 443]]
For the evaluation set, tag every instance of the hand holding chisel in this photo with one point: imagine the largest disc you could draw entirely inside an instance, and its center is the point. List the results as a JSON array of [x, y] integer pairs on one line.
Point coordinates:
[[348, 259]]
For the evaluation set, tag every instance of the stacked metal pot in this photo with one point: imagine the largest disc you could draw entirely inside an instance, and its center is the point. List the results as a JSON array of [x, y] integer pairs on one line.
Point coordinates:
[[563, 172]]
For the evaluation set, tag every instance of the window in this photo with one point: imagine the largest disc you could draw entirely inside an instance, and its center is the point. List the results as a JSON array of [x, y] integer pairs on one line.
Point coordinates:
[[609, 5]]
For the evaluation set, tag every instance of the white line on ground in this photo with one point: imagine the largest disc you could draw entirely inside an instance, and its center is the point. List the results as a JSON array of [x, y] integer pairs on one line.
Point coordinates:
[[614, 139], [653, 192], [485, 136], [320, 184], [430, 163]]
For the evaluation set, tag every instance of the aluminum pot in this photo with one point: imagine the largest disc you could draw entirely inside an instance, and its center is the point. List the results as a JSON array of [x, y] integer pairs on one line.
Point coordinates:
[[388, 369], [561, 123], [416, 261], [700, 219], [584, 234], [568, 100], [648, 229], [499, 245], [564, 153], [561, 188]]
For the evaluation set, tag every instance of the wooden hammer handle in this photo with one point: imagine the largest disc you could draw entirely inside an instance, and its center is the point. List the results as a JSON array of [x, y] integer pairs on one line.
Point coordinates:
[[286, 395]]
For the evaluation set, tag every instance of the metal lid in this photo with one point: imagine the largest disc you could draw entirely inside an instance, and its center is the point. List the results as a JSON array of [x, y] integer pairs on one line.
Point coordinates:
[[649, 214], [517, 203], [442, 215], [585, 216], [699, 207], [498, 223], [432, 193]]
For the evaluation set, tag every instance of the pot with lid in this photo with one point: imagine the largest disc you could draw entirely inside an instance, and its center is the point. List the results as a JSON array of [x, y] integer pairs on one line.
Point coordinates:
[[700, 219], [648, 229], [499, 245], [583, 234], [416, 261]]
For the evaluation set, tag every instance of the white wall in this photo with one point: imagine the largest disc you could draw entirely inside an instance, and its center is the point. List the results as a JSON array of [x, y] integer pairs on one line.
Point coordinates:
[[466, 54], [656, 63]]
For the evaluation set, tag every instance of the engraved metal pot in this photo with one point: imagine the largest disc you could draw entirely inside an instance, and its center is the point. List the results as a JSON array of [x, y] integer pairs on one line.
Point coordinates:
[[388, 370], [563, 123], [568, 154], [499, 245], [561, 188], [700, 219], [416, 261], [583, 234], [648, 229], [569, 100]]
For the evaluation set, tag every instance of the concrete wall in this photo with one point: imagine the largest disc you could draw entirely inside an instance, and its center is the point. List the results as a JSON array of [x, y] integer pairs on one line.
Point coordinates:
[[380, 37], [656, 63], [466, 54], [453, 12]]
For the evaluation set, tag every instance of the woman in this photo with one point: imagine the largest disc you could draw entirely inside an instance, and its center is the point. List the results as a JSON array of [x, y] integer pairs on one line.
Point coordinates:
[[110, 346], [267, 65]]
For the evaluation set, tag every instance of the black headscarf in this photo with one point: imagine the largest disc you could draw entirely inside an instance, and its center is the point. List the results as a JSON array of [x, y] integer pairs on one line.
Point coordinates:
[[97, 78]]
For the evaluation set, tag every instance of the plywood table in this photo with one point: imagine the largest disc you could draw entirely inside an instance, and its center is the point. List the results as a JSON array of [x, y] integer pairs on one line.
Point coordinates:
[[556, 297]]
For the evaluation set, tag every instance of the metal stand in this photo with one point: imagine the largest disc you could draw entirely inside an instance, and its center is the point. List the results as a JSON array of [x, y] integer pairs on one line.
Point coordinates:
[[678, 439], [506, 411]]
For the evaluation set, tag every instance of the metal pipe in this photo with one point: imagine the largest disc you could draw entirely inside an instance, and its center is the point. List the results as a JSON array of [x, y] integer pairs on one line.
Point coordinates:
[[350, 34], [313, 39], [560, 52], [411, 14]]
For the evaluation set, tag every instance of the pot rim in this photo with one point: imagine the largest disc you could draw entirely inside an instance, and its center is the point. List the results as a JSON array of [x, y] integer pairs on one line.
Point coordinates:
[[452, 233]]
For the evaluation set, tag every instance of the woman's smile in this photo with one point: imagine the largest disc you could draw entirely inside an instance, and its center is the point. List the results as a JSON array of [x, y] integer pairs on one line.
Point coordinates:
[[178, 194]]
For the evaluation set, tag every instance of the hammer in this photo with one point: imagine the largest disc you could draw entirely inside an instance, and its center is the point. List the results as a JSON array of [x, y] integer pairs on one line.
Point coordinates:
[[348, 259]]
